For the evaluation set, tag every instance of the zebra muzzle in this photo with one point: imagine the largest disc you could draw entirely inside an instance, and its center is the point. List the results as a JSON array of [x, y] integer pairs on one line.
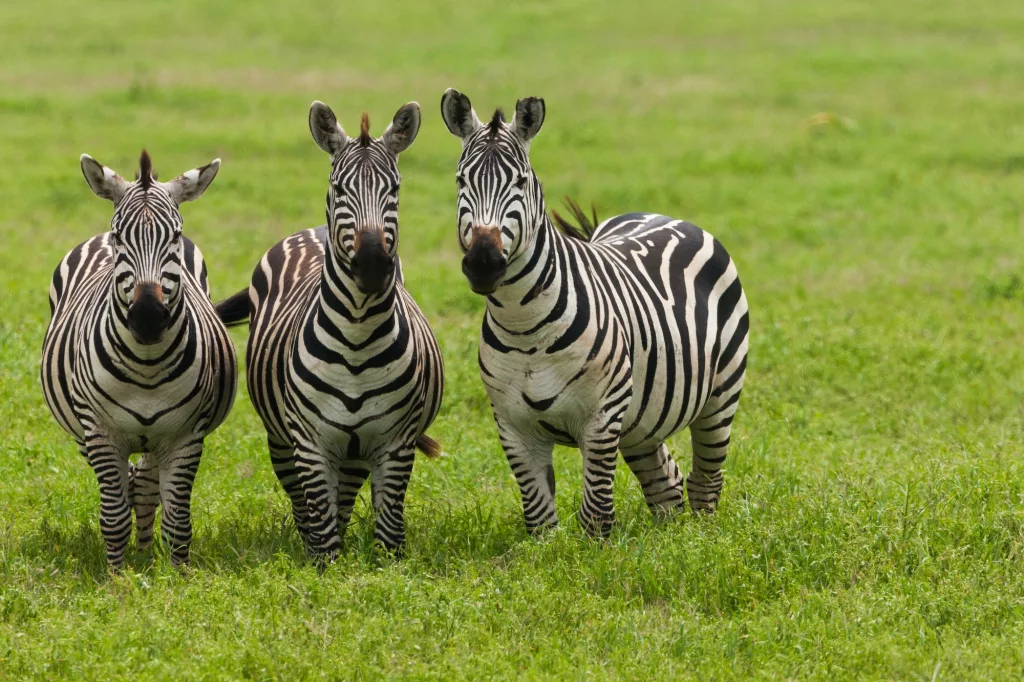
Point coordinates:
[[484, 264], [372, 266], [148, 315]]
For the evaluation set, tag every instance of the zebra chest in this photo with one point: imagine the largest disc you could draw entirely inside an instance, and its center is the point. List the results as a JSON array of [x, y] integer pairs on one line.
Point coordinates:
[[557, 390], [141, 406], [352, 414]]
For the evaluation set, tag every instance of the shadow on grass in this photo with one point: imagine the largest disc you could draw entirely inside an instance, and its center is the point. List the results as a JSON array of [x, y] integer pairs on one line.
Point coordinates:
[[442, 540]]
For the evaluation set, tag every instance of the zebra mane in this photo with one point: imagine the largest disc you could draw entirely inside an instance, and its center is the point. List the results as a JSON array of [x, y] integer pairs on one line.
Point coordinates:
[[585, 225], [496, 121], [145, 171], [364, 130]]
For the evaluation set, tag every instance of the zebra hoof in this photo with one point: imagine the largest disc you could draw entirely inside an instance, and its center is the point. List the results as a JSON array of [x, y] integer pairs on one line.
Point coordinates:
[[324, 558], [597, 527]]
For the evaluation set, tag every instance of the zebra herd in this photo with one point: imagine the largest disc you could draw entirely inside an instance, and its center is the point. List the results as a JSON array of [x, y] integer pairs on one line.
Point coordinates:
[[608, 338]]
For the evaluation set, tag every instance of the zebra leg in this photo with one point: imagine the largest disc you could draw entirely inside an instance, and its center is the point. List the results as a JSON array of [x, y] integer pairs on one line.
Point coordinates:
[[530, 460], [320, 489], [177, 476], [145, 496], [597, 514], [111, 467], [709, 435], [388, 483], [659, 477], [351, 477], [282, 457]]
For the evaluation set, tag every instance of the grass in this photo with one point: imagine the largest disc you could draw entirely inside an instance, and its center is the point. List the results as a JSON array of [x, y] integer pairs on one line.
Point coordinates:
[[863, 162]]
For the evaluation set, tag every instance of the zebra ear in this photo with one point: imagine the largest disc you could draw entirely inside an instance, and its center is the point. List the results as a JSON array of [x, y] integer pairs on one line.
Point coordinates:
[[190, 185], [327, 132], [403, 129], [458, 114], [528, 119], [103, 181]]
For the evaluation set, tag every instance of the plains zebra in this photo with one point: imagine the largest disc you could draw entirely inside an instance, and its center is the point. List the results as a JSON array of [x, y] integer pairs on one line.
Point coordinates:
[[341, 364], [612, 343], [135, 359]]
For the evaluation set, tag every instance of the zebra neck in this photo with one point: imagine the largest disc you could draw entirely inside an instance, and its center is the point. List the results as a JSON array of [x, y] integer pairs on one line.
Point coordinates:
[[534, 293], [347, 315]]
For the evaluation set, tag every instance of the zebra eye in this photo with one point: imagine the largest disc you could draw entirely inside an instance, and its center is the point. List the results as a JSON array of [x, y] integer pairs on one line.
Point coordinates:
[[521, 182], [115, 239], [175, 239], [460, 181]]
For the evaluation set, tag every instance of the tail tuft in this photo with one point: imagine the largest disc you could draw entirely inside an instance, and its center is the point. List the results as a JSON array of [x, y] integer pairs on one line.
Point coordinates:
[[234, 310], [428, 446], [583, 228]]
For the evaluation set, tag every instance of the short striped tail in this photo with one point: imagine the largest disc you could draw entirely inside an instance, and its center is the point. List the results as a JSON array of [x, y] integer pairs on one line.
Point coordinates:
[[234, 310], [428, 446]]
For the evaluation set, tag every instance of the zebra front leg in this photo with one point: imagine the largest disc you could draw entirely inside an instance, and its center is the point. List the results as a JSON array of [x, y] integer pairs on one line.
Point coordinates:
[[659, 477], [320, 489], [282, 458], [709, 435], [351, 477], [597, 513], [388, 483], [145, 497], [111, 467], [529, 456], [177, 476]]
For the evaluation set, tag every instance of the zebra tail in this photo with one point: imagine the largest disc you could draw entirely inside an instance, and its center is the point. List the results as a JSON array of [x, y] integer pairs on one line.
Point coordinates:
[[234, 310], [583, 228], [428, 446]]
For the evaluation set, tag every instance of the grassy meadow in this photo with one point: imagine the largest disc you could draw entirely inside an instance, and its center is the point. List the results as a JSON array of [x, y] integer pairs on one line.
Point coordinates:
[[862, 161]]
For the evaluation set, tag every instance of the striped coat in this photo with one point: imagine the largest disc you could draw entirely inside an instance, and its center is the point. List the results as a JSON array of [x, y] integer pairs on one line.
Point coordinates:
[[608, 338], [136, 360], [341, 364]]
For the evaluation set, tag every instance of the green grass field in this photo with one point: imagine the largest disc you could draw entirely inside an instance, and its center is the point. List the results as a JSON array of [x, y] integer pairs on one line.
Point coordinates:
[[872, 523]]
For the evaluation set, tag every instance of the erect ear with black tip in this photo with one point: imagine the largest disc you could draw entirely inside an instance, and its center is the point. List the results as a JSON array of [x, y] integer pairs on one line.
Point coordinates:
[[190, 185], [403, 129], [103, 181], [457, 112], [528, 119], [327, 132]]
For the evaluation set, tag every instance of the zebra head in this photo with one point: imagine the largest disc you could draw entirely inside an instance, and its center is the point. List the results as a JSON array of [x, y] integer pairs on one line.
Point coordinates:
[[145, 237], [362, 199], [501, 205]]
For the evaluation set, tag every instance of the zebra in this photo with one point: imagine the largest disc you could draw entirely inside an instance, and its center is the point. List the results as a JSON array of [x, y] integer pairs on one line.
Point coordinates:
[[135, 358], [342, 366], [607, 337]]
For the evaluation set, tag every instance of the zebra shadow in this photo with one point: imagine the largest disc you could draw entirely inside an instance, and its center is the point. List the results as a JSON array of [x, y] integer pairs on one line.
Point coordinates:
[[441, 539], [235, 544]]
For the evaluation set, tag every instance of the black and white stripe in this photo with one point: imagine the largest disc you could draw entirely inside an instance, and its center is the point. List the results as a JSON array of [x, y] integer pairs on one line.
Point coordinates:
[[612, 343], [342, 366], [135, 359]]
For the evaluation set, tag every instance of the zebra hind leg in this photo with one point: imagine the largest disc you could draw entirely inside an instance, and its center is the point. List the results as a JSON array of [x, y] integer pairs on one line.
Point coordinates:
[[710, 435], [282, 457], [659, 477], [145, 496]]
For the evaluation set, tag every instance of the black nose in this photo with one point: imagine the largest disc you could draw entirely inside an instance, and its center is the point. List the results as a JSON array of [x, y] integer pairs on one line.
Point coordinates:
[[484, 265], [148, 316], [372, 265]]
